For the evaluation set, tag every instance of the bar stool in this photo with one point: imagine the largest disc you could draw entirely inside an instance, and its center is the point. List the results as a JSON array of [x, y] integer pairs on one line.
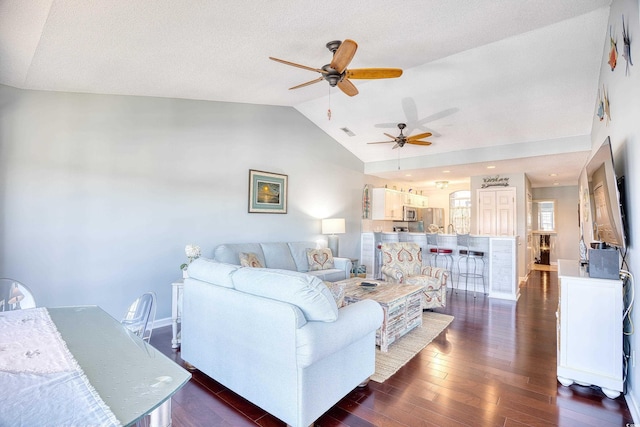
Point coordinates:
[[468, 256], [434, 240]]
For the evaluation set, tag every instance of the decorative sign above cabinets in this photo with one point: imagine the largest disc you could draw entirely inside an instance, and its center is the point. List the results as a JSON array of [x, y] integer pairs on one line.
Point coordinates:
[[495, 181]]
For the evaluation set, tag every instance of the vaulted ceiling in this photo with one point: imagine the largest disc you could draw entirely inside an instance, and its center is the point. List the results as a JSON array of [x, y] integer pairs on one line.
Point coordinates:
[[507, 83]]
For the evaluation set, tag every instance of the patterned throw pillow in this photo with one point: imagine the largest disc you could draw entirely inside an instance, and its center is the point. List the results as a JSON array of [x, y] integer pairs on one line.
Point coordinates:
[[337, 290], [319, 259], [250, 260]]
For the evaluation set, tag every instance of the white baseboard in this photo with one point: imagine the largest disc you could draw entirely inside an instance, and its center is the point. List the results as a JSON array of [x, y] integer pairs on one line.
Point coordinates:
[[159, 323], [633, 405]]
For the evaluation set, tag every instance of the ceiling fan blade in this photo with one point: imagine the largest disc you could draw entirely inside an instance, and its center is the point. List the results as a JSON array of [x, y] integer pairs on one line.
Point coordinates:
[[380, 142], [374, 73], [319, 79], [347, 87], [390, 136], [396, 146], [419, 142], [343, 56], [293, 64], [419, 136]]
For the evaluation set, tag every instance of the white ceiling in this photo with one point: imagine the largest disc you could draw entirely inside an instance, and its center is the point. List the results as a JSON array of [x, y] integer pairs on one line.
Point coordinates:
[[491, 79]]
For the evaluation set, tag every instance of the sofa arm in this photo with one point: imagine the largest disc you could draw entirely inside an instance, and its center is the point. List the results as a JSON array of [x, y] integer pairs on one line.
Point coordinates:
[[343, 264], [393, 275], [317, 340]]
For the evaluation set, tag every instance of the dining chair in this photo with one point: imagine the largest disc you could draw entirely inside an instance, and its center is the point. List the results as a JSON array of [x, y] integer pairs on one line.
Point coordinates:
[[15, 295], [140, 316]]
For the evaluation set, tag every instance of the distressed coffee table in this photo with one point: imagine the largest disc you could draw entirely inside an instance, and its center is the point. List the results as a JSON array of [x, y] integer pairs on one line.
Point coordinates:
[[401, 305]]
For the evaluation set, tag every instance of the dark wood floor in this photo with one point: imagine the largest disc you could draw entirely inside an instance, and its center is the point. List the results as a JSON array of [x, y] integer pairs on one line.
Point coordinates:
[[493, 366]]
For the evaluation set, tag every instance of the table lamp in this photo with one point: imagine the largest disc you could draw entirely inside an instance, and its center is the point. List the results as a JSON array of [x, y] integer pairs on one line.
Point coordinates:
[[333, 226]]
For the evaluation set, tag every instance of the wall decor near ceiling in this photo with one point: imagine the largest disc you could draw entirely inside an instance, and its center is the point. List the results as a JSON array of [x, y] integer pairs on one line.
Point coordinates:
[[626, 53], [603, 105], [366, 202], [613, 51], [267, 192]]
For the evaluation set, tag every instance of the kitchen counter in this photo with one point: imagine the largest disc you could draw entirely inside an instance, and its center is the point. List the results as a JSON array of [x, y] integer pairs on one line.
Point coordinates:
[[500, 270]]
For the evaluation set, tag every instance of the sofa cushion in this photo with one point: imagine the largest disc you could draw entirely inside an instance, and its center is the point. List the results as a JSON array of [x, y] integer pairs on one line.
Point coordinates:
[[250, 260], [278, 256], [299, 254], [212, 271], [306, 292], [319, 259], [230, 253]]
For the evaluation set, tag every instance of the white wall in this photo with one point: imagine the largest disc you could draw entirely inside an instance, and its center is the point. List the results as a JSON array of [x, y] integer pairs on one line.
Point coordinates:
[[624, 130], [100, 194]]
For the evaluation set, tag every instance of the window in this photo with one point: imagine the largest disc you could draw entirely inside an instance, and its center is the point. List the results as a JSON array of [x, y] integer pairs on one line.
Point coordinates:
[[546, 216], [460, 211]]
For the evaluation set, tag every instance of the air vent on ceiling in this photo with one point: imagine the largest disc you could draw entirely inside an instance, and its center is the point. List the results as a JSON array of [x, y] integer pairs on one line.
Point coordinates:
[[348, 131]]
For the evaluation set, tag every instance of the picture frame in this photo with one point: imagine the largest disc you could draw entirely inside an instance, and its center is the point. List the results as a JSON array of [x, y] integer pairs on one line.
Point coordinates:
[[267, 192]]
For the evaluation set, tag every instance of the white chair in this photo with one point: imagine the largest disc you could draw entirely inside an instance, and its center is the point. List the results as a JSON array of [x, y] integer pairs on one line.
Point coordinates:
[[140, 316], [15, 296]]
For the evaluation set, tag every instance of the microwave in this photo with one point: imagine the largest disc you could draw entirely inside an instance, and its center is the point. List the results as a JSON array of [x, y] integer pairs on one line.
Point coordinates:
[[409, 213]]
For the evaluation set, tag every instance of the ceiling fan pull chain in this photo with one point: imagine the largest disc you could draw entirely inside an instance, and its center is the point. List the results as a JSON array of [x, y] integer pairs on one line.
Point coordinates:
[[329, 110]]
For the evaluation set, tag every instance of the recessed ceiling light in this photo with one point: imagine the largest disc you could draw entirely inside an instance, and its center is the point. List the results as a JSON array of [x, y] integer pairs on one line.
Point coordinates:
[[491, 167], [446, 171], [408, 174], [556, 183], [553, 174]]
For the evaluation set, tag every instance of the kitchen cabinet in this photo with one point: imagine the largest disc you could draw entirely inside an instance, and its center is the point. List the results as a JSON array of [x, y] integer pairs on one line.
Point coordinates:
[[415, 200], [387, 204], [589, 330]]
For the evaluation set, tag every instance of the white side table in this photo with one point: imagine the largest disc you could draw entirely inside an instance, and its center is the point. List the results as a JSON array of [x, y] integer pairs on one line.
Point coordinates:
[[176, 311]]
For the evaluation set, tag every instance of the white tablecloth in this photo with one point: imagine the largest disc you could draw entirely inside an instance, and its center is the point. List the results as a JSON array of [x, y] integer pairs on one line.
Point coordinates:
[[41, 382]]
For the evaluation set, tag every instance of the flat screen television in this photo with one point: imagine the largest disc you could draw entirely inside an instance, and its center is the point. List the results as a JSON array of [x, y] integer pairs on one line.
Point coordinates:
[[607, 213]]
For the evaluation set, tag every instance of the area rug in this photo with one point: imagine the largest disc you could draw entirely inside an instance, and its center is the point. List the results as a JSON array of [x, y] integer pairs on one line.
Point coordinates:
[[403, 350]]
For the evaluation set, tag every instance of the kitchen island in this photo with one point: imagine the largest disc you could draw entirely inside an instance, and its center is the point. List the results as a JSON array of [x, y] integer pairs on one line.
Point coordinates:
[[500, 259]]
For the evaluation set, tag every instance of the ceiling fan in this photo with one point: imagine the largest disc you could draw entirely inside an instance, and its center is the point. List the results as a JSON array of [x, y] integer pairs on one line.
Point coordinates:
[[401, 139], [336, 72]]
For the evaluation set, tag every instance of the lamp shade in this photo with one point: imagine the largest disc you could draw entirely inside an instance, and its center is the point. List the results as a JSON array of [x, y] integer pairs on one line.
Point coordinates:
[[333, 226]]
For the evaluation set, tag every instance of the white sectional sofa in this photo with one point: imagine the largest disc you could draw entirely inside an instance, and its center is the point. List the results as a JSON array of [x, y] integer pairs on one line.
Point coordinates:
[[276, 337], [282, 255]]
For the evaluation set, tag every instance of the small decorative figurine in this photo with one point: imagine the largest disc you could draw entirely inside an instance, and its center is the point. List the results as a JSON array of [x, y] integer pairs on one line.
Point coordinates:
[[613, 51], [626, 54]]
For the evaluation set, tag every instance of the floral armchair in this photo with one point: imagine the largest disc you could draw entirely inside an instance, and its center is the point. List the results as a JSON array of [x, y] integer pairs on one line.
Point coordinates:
[[402, 264]]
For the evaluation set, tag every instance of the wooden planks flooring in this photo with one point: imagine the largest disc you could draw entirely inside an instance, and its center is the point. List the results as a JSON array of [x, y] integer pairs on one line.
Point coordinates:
[[493, 366]]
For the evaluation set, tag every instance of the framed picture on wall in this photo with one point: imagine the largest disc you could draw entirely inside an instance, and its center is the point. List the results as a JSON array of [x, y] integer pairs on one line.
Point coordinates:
[[267, 192]]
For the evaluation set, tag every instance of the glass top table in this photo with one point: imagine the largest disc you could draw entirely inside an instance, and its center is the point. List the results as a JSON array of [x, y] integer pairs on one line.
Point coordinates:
[[131, 376]]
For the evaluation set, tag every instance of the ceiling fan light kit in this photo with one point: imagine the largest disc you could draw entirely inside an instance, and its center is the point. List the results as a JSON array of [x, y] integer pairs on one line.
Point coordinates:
[[336, 72]]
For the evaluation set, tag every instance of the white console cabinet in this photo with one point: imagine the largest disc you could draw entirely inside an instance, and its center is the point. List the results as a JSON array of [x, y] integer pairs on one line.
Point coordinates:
[[589, 330]]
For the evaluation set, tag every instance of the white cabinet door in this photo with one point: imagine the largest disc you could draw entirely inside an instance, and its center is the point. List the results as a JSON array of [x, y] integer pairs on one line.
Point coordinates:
[[387, 204], [590, 330], [497, 212]]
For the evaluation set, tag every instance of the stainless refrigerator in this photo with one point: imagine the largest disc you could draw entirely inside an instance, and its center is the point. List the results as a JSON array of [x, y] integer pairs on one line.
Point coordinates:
[[426, 217]]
